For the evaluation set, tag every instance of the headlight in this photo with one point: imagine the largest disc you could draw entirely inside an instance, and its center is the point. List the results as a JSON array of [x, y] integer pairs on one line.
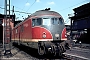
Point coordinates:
[[56, 35], [44, 35]]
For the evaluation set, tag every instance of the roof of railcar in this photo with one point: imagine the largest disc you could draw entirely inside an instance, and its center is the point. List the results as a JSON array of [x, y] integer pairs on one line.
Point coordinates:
[[45, 12], [40, 12]]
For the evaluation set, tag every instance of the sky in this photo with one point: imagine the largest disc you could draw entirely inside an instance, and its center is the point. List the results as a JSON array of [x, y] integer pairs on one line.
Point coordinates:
[[64, 7]]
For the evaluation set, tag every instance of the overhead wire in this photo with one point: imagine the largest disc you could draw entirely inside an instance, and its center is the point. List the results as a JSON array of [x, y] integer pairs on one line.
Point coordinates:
[[31, 5], [73, 5], [22, 12], [18, 11], [24, 5], [34, 3], [2, 8], [66, 21]]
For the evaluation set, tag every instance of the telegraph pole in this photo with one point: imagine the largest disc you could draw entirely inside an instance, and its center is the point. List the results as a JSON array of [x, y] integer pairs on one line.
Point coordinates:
[[7, 29]]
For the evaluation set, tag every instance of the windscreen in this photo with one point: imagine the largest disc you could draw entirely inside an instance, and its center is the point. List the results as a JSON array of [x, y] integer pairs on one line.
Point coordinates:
[[36, 21], [56, 21], [46, 21]]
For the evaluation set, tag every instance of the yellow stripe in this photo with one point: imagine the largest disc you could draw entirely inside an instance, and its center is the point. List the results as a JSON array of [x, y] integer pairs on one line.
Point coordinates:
[[33, 40]]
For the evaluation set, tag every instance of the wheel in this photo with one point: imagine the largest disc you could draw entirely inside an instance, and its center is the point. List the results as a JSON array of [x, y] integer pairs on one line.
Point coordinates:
[[41, 50], [60, 51], [60, 54], [53, 51]]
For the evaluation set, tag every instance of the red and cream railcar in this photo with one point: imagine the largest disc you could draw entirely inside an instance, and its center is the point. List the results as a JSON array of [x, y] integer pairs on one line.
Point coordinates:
[[22, 32], [43, 30]]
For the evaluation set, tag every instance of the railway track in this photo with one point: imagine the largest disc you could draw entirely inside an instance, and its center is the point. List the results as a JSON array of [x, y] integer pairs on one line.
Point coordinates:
[[76, 57], [33, 54], [26, 53]]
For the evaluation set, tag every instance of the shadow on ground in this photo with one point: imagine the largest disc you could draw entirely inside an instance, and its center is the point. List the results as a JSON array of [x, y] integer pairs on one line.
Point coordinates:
[[34, 53]]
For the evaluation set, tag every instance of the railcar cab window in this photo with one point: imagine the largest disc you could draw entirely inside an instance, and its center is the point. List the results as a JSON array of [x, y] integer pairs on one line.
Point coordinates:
[[61, 21], [36, 21], [56, 21], [46, 21]]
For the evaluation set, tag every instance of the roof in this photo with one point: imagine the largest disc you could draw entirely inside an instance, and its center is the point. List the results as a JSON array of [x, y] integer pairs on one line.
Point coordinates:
[[81, 12], [45, 12], [82, 7]]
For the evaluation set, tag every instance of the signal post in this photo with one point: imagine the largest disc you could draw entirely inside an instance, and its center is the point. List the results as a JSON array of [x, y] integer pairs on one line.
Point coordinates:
[[8, 24]]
